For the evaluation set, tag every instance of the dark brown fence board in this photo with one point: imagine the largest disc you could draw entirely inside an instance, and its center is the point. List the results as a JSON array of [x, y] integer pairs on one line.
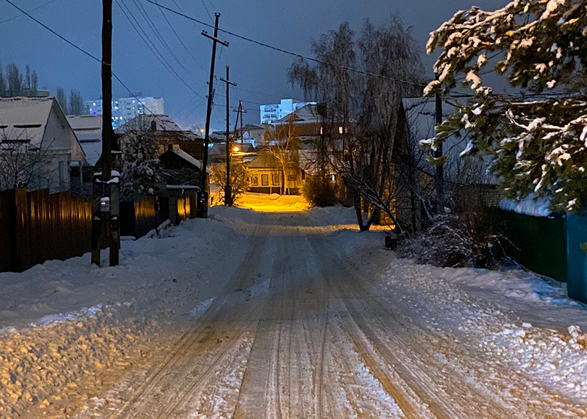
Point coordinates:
[[38, 226], [7, 231]]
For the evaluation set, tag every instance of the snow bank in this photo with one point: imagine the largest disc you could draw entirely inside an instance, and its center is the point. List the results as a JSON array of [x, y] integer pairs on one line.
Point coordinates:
[[63, 323], [515, 317]]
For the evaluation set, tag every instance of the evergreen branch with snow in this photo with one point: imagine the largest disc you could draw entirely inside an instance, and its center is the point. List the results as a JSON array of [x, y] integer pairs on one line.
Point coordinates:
[[538, 139]]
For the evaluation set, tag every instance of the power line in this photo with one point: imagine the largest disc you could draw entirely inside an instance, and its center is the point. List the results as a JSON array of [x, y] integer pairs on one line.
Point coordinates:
[[30, 11], [151, 45], [80, 49], [207, 11], [180, 40], [294, 54], [152, 25]]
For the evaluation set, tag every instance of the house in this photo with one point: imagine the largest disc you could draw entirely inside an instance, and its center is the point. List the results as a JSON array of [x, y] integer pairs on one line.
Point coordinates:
[[88, 130], [37, 144], [252, 134], [181, 168], [182, 174], [164, 131], [217, 153], [267, 176]]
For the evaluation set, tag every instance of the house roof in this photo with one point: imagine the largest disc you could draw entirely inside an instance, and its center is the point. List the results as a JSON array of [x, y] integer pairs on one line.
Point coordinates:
[[23, 118], [88, 130], [306, 115], [248, 127], [197, 164], [145, 122], [264, 161]]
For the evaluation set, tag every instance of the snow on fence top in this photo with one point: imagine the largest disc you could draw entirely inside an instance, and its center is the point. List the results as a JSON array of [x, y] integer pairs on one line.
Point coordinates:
[[536, 207]]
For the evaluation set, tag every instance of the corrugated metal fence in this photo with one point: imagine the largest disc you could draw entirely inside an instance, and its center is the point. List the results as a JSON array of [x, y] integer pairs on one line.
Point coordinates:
[[37, 226], [139, 217]]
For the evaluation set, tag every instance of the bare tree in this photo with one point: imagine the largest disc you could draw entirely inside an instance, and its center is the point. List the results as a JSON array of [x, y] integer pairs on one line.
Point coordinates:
[[28, 81], [21, 163], [62, 100], [34, 83], [76, 103], [238, 177], [283, 144], [3, 83], [15, 80], [362, 108]]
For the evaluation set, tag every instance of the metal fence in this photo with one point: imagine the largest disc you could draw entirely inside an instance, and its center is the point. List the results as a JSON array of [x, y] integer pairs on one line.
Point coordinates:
[[37, 226], [139, 217]]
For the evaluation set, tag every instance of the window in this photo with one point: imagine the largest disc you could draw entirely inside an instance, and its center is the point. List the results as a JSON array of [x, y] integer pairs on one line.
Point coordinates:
[[275, 179], [264, 180], [255, 180]]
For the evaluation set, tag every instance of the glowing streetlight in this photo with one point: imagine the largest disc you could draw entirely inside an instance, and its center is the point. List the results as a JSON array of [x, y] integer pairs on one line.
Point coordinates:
[[235, 149]]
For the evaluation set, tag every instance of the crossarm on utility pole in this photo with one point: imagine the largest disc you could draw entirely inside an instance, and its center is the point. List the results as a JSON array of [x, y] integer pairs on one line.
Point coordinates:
[[202, 211]]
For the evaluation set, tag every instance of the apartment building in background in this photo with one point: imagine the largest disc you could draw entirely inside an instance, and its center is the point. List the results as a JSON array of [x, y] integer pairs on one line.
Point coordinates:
[[128, 108], [273, 112]]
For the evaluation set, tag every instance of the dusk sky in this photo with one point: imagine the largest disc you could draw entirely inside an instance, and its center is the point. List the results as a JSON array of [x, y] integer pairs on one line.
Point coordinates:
[[259, 72]]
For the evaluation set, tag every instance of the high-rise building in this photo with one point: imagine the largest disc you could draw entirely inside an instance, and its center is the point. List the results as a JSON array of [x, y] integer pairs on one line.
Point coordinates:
[[127, 108], [273, 112]]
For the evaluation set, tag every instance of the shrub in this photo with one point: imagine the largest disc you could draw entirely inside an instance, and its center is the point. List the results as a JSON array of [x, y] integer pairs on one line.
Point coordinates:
[[456, 241], [319, 191]]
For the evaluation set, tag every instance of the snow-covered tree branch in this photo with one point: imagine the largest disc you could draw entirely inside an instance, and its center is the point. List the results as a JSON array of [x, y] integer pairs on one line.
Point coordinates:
[[537, 138]]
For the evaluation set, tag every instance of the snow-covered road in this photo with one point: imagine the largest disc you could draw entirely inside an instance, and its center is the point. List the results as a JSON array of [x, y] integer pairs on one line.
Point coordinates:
[[301, 331], [315, 321]]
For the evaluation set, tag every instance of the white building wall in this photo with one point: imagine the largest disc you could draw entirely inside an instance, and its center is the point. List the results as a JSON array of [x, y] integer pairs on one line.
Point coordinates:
[[127, 108], [62, 149], [272, 112]]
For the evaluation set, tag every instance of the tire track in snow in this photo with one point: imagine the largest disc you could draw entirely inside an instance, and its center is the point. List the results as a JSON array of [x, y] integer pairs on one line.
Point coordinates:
[[200, 345], [261, 380]]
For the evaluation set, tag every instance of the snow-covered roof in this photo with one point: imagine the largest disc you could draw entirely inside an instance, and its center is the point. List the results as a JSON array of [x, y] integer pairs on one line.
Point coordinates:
[[537, 207], [88, 130], [188, 158], [175, 187], [145, 122], [264, 161], [305, 115], [23, 118]]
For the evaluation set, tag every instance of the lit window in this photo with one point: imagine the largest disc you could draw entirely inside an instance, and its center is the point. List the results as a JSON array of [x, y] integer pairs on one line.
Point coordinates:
[[340, 130], [265, 180], [254, 180]]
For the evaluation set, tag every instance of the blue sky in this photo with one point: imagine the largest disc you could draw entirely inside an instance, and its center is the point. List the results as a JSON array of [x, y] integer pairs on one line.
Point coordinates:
[[259, 72]]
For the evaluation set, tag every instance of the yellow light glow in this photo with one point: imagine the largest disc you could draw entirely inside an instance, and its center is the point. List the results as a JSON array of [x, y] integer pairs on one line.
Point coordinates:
[[235, 149]]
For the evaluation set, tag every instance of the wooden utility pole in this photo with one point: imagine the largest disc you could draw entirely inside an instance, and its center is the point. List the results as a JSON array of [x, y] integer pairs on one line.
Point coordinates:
[[105, 224], [228, 186], [239, 114], [202, 211], [439, 178]]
